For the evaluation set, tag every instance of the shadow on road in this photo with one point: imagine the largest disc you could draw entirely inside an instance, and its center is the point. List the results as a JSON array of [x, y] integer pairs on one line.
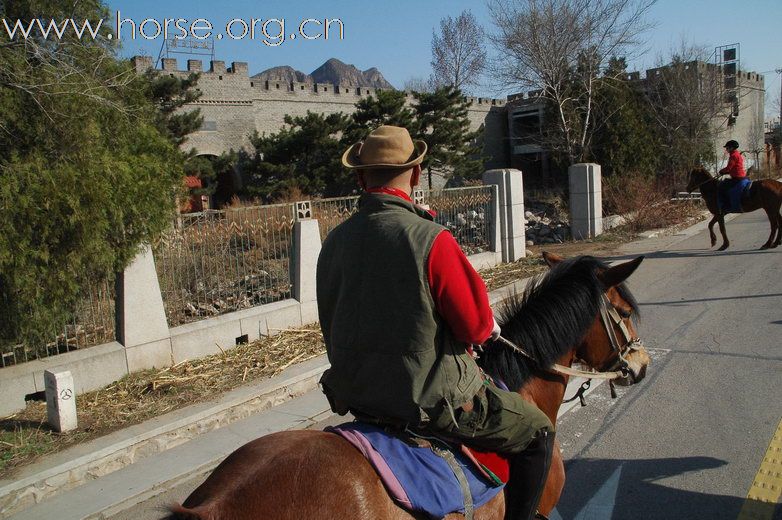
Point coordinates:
[[691, 253], [694, 300], [634, 489]]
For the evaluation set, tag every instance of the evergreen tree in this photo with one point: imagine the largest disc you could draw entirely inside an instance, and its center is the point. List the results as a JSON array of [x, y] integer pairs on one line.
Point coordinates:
[[387, 107], [624, 139], [86, 174], [441, 121], [305, 155]]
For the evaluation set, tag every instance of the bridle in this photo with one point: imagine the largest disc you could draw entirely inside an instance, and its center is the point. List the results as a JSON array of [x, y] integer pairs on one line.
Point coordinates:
[[618, 370]]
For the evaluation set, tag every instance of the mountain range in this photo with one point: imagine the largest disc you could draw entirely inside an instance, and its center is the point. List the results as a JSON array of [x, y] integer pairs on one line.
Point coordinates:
[[333, 71]]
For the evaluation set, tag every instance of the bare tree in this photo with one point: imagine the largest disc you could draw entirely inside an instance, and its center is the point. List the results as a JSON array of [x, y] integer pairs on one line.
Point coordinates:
[[458, 53], [559, 48], [420, 84], [687, 98]]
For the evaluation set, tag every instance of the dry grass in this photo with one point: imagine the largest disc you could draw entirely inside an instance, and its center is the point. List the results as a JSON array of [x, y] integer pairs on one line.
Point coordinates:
[[646, 203], [140, 396]]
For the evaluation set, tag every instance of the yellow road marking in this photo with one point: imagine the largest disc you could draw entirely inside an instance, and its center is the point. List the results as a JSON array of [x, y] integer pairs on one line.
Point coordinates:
[[767, 487]]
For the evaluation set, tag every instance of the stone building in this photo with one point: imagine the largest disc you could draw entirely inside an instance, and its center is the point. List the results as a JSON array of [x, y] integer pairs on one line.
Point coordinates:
[[740, 98], [234, 105]]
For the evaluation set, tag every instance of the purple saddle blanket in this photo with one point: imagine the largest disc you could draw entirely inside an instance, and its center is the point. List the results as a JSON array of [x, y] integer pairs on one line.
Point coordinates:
[[417, 478]]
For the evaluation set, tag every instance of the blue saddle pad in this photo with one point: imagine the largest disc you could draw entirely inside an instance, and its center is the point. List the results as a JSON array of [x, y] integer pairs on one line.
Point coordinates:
[[426, 478], [732, 197]]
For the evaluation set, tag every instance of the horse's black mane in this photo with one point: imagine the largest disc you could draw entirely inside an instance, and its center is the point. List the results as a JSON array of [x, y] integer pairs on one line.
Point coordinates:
[[549, 318]]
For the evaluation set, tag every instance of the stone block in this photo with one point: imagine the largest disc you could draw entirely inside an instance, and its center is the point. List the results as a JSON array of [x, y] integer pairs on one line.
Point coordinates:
[[157, 354], [140, 314], [217, 67], [60, 401], [195, 66], [202, 338], [309, 312], [284, 317], [169, 64], [306, 249], [13, 388], [584, 178], [239, 67], [92, 368]]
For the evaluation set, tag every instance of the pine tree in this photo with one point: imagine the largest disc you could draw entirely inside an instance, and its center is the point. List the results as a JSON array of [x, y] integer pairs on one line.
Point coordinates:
[[305, 155], [442, 121], [386, 107]]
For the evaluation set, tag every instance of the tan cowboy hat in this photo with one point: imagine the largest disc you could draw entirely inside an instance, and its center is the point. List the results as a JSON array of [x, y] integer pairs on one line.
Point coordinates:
[[386, 147]]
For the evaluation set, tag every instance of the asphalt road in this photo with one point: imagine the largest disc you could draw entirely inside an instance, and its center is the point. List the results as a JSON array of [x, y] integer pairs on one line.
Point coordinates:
[[687, 442]]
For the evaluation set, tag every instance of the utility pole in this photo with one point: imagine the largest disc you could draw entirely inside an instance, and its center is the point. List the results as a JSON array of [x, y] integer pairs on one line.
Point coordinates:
[[779, 71]]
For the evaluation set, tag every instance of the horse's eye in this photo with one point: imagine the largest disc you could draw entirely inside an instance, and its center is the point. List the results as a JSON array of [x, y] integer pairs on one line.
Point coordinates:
[[624, 314]]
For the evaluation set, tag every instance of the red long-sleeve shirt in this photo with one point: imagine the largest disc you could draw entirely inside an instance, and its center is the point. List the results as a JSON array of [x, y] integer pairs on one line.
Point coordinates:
[[458, 291], [735, 167]]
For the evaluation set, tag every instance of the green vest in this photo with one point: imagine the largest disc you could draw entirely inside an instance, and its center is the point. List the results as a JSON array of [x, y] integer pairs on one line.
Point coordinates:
[[392, 355]]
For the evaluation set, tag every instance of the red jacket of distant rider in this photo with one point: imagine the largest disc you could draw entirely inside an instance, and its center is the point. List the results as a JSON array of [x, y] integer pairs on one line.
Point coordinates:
[[735, 167]]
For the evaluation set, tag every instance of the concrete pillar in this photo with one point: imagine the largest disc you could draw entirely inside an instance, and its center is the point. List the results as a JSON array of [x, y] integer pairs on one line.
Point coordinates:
[[510, 201], [141, 318], [586, 200], [60, 400], [306, 249]]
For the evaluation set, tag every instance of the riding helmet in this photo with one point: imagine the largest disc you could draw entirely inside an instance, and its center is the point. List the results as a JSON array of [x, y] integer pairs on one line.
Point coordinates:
[[732, 144]]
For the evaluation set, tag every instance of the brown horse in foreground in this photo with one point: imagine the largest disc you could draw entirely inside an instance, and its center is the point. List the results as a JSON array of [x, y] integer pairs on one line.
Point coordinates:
[[764, 193], [575, 312]]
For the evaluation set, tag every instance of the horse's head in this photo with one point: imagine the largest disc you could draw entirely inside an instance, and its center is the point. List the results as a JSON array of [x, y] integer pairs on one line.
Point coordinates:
[[698, 176], [611, 342]]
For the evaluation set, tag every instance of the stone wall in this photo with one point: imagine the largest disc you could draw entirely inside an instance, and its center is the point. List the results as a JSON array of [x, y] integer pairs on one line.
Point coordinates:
[[234, 105]]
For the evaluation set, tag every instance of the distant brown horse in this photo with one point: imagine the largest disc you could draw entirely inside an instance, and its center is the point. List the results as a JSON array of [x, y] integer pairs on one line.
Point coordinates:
[[765, 193], [575, 312]]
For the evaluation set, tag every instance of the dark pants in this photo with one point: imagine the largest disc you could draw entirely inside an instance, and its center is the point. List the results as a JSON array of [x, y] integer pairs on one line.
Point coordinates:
[[499, 421], [725, 188]]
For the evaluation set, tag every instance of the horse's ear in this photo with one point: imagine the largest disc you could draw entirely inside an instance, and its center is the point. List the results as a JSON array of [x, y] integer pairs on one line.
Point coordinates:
[[617, 274], [551, 259]]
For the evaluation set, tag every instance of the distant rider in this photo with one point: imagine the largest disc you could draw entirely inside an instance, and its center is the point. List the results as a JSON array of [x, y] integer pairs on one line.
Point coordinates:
[[735, 169]]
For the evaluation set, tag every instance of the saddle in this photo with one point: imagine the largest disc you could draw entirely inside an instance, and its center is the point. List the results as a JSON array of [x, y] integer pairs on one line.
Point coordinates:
[[731, 197], [426, 474]]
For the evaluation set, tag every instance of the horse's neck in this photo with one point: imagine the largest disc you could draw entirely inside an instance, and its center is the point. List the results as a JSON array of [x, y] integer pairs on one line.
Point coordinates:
[[547, 390]]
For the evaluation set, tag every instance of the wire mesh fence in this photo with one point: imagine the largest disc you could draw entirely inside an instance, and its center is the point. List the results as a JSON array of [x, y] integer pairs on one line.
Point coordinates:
[[332, 212], [468, 214], [91, 323], [217, 262]]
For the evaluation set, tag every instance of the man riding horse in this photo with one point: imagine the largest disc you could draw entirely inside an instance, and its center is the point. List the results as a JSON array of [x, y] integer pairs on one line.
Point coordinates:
[[400, 306], [734, 168]]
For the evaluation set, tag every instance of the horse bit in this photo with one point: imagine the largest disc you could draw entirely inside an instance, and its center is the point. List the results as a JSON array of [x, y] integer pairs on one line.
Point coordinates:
[[619, 370]]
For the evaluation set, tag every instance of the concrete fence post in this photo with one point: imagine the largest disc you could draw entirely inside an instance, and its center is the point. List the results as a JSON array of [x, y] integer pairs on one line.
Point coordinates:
[[60, 400], [586, 200], [142, 327], [306, 249], [510, 202]]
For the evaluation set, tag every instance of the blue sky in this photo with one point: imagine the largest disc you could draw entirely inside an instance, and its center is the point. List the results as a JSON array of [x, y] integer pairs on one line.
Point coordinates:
[[395, 36]]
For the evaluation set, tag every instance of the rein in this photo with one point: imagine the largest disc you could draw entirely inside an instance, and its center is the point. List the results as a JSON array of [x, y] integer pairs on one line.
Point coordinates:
[[619, 370]]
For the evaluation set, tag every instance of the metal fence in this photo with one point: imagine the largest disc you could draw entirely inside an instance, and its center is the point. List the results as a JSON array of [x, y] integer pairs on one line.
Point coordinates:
[[91, 323], [217, 262], [467, 212], [332, 212]]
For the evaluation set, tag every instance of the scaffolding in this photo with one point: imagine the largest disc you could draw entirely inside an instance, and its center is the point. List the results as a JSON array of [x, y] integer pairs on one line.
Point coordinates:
[[190, 46], [727, 59]]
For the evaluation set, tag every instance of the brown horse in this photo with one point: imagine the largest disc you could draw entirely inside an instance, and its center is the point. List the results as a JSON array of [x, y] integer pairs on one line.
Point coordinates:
[[575, 312], [765, 193]]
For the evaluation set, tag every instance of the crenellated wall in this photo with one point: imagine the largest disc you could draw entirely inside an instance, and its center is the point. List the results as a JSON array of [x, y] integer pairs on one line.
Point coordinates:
[[235, 105]]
